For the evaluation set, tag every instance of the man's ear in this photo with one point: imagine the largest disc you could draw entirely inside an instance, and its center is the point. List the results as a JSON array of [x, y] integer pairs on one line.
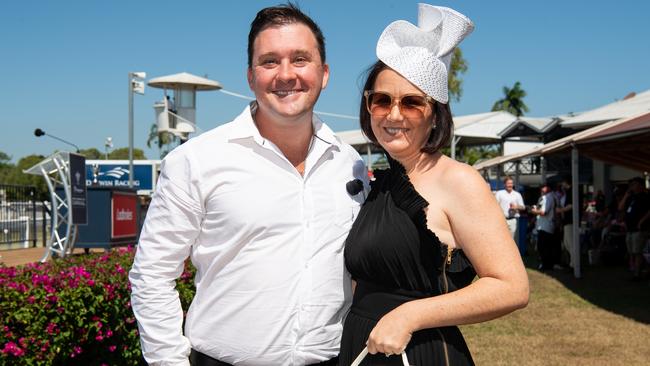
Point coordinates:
[[250, 77], [326, 75]]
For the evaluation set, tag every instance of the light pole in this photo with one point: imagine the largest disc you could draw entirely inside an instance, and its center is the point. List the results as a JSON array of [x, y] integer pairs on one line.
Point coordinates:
[[136, 84], [38, 133], [108, 144]]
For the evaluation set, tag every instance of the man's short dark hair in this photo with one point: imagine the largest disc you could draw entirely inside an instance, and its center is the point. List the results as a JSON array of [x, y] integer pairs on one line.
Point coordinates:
[[280, 15], [507, 178], [439, 136]]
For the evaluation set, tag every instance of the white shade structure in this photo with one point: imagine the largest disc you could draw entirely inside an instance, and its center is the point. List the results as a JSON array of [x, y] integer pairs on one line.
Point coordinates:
[[184, 80], [178, 115]]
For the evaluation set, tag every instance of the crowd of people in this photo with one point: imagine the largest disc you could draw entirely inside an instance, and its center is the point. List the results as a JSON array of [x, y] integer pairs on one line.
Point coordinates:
[[611, 232]]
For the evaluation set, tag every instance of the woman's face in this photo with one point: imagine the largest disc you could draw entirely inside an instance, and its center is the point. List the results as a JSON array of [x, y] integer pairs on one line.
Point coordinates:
[[401, 132]]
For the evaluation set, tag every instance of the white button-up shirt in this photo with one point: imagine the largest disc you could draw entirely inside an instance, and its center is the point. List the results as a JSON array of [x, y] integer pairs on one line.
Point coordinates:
[[546, 204], [267, 243], [505, 198]]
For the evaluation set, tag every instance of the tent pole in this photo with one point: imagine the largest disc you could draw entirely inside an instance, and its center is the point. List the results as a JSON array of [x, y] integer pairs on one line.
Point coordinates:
[[575, 256], [453, 146], [517, 167]]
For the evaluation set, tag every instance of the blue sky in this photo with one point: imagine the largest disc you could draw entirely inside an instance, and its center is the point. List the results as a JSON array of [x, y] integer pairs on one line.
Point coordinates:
[[64, 64]]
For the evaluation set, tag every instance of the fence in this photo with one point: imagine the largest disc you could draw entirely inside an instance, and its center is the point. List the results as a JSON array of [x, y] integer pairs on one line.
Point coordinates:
[[23, 221]]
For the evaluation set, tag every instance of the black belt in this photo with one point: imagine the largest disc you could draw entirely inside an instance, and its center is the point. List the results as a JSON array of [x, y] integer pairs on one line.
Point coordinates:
[[200, 359]]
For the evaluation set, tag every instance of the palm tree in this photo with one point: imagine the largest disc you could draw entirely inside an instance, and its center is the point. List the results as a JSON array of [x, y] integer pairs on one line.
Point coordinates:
[[513, 101], [160, 139]]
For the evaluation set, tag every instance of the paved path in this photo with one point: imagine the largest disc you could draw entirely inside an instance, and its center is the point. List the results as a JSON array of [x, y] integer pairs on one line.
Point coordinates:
[[17, 257]]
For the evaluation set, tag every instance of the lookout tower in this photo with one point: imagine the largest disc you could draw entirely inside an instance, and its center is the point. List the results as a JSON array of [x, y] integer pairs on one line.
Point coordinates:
[[176, 113]]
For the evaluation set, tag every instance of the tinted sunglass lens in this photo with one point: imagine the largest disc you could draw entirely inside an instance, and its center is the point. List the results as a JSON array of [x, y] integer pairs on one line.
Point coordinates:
[[381, 99], [379, 103], [413, 101]]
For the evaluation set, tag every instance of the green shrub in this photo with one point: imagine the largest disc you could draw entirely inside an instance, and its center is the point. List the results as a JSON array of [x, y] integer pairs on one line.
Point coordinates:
[[73, 311]]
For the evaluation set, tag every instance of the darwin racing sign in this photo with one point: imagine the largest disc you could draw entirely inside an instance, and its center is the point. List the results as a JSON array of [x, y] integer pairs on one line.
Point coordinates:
[[115, 173]]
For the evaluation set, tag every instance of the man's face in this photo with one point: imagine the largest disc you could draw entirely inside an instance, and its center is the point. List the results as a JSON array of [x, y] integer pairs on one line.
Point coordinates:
[[287, 73], [509, 185]]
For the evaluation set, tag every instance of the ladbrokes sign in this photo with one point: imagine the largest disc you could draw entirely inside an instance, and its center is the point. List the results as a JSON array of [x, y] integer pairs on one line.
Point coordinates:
[[124, 222]]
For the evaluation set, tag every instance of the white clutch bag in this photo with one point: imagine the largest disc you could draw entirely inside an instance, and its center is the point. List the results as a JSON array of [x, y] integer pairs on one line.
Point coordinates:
[[364, 353]]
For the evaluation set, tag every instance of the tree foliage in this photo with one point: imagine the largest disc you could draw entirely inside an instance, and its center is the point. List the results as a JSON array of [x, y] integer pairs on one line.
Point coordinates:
[[13, 174], [123, 154], [458, 67], [472, 154], [512, 101], [4, 158], [92, 153]]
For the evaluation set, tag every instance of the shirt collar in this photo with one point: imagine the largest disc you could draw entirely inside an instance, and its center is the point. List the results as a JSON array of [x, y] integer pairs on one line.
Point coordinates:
[[244, 127]]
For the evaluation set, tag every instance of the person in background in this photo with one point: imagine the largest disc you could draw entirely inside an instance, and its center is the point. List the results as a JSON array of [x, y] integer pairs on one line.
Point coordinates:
[[430, 223], [565, 218], [547, 245], [511, 204], [260, 206], [636, 207], [171, 106]]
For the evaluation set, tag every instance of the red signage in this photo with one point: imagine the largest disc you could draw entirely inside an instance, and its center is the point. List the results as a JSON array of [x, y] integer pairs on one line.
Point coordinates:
[[124, 222]]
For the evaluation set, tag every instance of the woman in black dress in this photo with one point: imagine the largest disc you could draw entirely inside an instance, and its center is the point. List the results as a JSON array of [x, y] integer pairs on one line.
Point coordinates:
[[429, 223]]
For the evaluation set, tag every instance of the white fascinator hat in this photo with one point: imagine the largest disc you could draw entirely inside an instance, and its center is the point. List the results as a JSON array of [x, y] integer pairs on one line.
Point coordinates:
[[422, 53]]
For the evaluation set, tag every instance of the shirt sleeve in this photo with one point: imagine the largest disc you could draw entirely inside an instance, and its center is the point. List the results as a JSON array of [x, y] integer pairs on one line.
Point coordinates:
[[548, 205], [543, 205], [171, 227]]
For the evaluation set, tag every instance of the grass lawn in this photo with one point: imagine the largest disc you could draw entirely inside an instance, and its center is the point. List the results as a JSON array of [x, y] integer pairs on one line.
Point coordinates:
[[600, 319]]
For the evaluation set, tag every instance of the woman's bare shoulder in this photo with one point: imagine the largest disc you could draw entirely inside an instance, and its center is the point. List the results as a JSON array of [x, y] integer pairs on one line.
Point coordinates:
[[458, 176]]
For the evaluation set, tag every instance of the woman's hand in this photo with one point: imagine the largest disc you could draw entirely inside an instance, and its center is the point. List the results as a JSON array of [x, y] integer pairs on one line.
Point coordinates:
[[391, 335]]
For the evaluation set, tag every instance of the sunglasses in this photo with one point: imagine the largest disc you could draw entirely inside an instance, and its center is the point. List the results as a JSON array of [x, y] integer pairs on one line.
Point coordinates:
[[379, 104]]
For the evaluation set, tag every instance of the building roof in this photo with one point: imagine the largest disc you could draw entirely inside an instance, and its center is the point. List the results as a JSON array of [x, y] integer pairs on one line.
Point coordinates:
[[460, 121], [538, 125], [622, 142], [353, 137], [620, 109], [483, 128]]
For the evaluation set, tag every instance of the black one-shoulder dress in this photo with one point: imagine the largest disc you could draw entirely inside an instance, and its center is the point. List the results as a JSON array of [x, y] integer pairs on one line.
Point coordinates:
[[395, 258]]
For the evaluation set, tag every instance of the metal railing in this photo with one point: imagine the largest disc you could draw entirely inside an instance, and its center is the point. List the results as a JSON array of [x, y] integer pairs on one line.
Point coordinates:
[[23, 221]]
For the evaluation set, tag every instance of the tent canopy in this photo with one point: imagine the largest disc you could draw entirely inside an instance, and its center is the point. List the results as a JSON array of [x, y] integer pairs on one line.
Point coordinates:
[[624, 142]]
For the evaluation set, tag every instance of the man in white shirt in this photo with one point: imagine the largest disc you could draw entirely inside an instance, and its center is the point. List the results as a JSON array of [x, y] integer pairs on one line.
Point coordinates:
[[511, 203], [260, 206]]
